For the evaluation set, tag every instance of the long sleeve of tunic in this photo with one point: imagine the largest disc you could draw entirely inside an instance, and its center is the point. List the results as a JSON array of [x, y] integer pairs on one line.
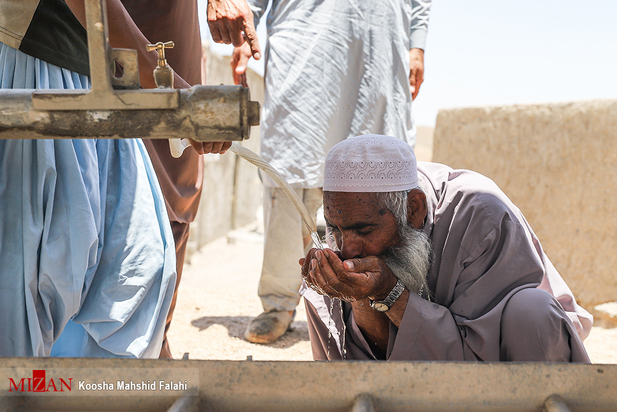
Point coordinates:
[[419, 23], [484, 253]]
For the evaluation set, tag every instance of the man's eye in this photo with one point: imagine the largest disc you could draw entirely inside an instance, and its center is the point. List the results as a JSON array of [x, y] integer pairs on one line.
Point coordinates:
[[364, 232]]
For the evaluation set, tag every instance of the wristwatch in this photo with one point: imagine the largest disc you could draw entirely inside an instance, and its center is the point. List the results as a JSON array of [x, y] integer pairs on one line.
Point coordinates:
[[386, 304]]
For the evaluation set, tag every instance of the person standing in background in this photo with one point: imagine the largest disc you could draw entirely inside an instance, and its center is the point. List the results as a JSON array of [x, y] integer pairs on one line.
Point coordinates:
[[181, 178], [333, 70]]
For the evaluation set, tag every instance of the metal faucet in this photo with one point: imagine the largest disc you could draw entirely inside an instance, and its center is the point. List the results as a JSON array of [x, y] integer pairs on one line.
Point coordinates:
[[163, 74]]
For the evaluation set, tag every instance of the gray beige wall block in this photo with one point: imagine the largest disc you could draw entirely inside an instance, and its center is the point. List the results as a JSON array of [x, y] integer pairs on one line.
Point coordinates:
[[558, 163]]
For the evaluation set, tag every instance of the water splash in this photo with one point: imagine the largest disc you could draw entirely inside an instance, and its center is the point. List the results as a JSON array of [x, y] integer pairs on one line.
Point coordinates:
[[316, 240], [342, 338], [255, 159], [330, 326]]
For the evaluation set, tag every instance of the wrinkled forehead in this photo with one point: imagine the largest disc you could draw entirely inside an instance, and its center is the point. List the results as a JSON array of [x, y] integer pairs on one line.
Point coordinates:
[[351, 205]]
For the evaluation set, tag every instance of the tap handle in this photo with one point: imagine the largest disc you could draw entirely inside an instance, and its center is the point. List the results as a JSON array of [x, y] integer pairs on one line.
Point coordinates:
[[160, 49]]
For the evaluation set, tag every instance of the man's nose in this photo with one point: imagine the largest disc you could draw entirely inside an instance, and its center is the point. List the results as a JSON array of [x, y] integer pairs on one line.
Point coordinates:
[[351, 247]]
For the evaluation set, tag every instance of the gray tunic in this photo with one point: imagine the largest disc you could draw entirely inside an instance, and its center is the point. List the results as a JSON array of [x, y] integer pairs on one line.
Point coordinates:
[[484, 254]]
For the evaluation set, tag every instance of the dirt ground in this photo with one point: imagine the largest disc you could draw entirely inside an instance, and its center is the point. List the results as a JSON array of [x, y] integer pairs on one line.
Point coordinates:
[[218, 297]]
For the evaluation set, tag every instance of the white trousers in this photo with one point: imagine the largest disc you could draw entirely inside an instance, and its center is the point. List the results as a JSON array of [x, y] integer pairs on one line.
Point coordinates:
[[286, 240]]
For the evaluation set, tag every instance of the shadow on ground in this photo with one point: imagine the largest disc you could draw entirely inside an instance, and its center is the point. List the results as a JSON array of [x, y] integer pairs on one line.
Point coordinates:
[[236, 325]]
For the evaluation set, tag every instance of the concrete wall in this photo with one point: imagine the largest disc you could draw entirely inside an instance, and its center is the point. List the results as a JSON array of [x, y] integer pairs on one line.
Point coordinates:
[[232, 189], [424, 143], [558, 163]]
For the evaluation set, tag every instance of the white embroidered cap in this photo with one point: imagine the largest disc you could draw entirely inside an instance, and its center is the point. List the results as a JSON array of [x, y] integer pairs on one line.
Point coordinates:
[[370, 163]]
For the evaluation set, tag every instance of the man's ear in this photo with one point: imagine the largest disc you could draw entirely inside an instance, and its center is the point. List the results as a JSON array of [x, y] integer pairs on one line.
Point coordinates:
[[416, 208]]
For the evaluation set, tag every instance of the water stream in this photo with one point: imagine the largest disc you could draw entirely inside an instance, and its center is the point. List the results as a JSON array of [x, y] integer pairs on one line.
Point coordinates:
[[255, 159]]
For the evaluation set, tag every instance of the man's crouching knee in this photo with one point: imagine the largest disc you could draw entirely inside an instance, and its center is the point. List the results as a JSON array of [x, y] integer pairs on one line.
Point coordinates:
[[534, 328]]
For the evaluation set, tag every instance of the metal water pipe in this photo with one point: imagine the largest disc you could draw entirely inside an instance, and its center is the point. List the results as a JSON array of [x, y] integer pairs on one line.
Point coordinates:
[[116, 107]]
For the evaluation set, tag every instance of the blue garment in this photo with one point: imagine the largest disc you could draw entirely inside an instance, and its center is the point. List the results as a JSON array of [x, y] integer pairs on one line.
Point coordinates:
[[85, 242]]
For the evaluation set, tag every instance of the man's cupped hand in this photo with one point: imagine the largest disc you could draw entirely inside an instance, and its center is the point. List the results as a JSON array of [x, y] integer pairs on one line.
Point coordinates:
[[349, 280]]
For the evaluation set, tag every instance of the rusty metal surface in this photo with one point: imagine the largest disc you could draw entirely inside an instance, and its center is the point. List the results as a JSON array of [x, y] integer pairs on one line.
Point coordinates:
[[117, 108], [205, 113], [185, 404], [130, 69], [555, 403], [102, 95], [334, 386], [363, 403]]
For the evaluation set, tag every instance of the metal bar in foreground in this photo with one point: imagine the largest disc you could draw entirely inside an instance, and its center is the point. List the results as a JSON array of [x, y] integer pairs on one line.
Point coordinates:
[[155, 385], [205, 113]]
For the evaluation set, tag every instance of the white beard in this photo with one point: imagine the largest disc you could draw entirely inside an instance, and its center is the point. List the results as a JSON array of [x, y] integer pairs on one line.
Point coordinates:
[[409, 262]]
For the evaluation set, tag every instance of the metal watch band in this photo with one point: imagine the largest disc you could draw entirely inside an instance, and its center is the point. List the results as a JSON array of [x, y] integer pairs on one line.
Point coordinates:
[[392, 297]]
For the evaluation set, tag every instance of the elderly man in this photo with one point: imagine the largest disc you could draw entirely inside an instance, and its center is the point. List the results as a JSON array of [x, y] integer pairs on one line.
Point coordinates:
[[334, 69], [433, 264]]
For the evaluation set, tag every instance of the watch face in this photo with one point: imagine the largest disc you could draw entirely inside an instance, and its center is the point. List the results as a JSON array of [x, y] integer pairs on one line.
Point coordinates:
[[380, 306]]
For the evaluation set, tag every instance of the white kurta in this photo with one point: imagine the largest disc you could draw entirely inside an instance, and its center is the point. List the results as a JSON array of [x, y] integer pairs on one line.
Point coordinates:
[[335, 69]]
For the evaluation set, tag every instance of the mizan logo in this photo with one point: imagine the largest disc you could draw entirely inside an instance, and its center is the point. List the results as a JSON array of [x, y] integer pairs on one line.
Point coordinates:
[[38, 383]]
